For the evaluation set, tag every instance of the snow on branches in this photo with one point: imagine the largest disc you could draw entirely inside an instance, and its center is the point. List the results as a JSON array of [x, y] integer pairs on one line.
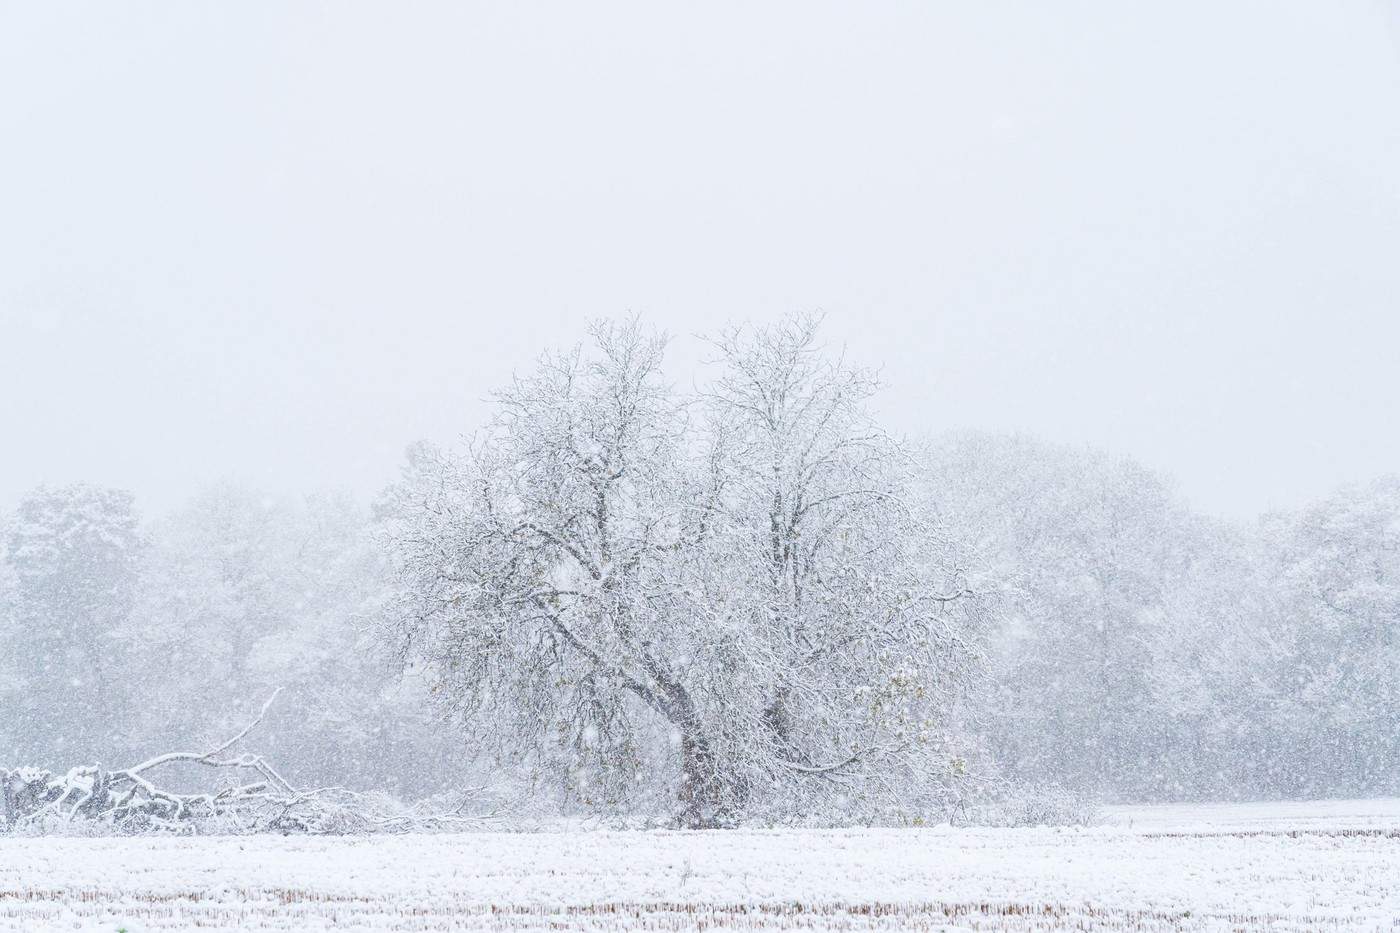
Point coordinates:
[[724, 600]]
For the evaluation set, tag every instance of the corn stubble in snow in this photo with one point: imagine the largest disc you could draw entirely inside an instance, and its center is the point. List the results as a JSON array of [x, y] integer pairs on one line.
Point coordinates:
[[1256, 866]]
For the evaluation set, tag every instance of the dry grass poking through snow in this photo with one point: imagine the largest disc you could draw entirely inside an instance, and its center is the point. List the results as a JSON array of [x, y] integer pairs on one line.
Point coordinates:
[[1168, 870]]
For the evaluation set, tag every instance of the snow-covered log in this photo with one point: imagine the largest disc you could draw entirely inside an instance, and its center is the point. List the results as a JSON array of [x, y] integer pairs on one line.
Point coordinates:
[[253, 798]]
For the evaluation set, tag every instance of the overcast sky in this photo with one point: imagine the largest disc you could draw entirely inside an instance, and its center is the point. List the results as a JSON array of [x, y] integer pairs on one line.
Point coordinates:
[[279, 241]]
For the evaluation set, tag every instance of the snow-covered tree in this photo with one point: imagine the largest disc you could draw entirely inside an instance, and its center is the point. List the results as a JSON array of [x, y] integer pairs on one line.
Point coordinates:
[[73, 557], [614, 582], [1336, 628], [248, 593], [1150, 653], [863, 629], [1210, 647], [526, 561], [1087, 551]]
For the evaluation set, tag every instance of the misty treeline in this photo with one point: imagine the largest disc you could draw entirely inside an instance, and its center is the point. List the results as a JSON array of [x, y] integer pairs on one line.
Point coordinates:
[[740, 602]]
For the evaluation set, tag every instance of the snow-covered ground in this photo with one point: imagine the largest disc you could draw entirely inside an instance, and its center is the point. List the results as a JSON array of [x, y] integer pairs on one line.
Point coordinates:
[[1275, 816], [1308, 866]]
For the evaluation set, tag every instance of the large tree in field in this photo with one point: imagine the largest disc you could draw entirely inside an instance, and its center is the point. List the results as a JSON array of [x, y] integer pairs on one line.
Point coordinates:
[[866, 626], [724, 599]]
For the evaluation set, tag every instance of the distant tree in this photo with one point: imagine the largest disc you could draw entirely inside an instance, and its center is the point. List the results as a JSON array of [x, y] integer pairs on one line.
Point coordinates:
[[74, 558], [216, 586], [1150, 653], [13, 673], [1087, 551], [248, 593], [1211, 653], [613, 581], [1336, 630]]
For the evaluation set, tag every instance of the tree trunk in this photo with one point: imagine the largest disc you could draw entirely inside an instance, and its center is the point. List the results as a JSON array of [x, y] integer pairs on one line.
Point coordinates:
[[706, 800]]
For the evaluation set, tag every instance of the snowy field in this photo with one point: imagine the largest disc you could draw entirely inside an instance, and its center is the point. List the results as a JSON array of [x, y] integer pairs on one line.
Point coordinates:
[[1306, 866]]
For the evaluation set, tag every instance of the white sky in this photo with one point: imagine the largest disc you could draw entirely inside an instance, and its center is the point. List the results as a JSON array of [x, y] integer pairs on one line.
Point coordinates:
[[279, 241]]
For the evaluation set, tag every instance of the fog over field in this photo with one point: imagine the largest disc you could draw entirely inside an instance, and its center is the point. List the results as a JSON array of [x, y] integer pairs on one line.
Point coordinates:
[[935, 434]]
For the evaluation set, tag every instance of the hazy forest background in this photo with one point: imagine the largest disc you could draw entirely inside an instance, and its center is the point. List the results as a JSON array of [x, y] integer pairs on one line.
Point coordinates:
[[1112, 644]]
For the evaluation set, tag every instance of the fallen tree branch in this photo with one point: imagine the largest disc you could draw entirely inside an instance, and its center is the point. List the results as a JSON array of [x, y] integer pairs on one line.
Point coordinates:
[[129, 800]]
